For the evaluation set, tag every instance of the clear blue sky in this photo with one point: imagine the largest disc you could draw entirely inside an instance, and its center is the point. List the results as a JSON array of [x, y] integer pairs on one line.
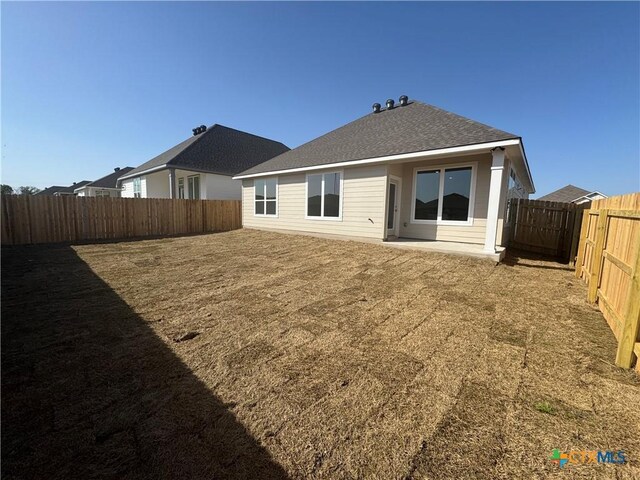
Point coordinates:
[[90, 86]]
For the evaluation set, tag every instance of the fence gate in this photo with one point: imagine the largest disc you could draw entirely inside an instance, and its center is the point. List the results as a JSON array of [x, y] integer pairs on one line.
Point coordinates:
[[550, 228]]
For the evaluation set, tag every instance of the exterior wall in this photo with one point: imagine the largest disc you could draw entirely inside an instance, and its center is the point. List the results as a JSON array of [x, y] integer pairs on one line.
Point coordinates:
[[363, 204], [127, 188], [212, 186], [474, 233], [157, 185], [504, 227], [91, 191]]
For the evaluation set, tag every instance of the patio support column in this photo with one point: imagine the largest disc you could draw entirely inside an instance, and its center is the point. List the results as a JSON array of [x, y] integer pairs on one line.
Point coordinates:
[[495, 187], [172, 183]]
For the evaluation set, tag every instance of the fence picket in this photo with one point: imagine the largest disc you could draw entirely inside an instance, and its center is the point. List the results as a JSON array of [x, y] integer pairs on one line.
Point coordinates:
[[609, 261]]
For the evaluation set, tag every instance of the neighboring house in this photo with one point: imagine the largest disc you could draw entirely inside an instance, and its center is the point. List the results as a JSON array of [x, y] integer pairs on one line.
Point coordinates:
[[202, 166], [105, 186], [572, 194], [410, 170], [51, 190], [58, 190]]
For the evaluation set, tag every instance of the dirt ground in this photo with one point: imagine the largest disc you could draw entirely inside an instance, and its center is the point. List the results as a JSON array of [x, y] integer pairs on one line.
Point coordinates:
[[260, 355]]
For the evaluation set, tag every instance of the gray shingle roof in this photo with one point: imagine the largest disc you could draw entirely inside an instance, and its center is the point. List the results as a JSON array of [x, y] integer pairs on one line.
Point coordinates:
[[51, 190], [220, 149], [109, 181], [566, 194], [415, 127], [71, 188]]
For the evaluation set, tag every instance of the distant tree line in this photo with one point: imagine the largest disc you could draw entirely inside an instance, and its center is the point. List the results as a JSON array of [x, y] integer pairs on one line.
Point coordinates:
[[26, 190]]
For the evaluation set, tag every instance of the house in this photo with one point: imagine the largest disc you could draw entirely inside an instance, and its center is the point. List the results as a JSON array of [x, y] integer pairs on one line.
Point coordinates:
[[202, 166], [106, 186], [57, 190], [407, 171], [51, 190], [572, 194]]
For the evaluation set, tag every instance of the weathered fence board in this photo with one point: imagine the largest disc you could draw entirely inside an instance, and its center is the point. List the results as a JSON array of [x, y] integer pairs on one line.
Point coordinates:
[[609, 262], [48, 219], [549, 228]]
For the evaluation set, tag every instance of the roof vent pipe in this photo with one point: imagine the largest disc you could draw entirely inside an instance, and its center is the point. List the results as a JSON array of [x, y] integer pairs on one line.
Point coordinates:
[[199, 130], [117, 169], [376, 108], [390, 103], [404, 101]]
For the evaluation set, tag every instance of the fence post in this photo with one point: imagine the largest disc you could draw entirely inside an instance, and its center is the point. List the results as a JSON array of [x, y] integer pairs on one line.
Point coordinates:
[[597, 258], [582, 243], [629, 334]]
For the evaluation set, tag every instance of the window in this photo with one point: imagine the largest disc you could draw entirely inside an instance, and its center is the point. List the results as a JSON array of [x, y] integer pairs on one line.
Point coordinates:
[[137, 187], [103, 193], [194, 187], [265, 192], [324, 195], [427, 195], [181, 187], [443, 195], [457, 191]]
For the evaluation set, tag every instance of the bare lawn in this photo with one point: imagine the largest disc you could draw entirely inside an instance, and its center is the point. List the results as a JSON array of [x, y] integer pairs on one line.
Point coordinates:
[[260, 355]]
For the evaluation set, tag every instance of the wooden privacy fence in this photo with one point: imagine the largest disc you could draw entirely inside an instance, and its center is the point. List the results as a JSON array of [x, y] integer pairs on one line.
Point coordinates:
[[550, 228], [48, 219], [609, 262]]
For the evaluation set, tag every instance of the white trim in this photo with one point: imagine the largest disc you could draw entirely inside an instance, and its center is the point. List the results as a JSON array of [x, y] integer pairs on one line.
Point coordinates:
[[398, 203], [587, 196], [495, 194], [138, 174], [340, 200], [442, 168], [265, 214], [391, 158]]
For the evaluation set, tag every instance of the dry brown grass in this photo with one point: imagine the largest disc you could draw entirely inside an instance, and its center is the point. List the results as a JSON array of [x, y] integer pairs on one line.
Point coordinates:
[[314, 359]]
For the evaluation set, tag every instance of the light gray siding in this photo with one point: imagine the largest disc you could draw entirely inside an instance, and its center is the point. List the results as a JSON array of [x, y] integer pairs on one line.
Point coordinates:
[[365, 199], [362, 204]]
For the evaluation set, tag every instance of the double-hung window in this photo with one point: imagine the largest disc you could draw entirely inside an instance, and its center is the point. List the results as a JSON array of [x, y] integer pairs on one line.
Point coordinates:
[[444, 195], [266, 197], [137, 187], [194, 187], [324, 195]]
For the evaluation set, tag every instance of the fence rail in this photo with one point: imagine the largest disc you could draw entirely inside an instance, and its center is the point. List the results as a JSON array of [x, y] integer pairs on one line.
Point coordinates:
[[609, 262], [48, 219]]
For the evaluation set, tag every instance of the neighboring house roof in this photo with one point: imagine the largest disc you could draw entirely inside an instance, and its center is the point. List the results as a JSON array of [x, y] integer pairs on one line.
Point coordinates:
[[416, 127], [51, 190], [566, 194], [71, 188], [108, 181], [219, 149]]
